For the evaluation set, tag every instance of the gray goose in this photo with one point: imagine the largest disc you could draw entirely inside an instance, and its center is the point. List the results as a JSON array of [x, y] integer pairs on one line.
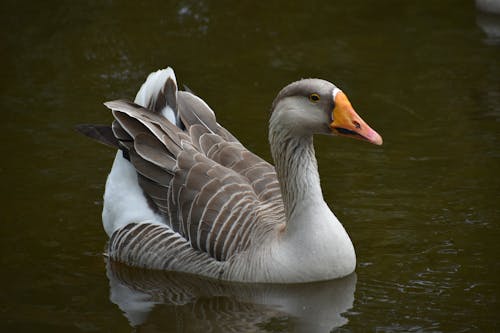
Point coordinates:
[[185, 195]]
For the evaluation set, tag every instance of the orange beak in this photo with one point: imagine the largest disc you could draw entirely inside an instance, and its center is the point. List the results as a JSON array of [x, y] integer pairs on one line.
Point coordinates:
[[346, 122]]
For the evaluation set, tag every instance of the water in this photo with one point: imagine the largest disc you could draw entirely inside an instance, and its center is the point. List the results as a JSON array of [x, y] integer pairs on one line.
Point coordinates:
[[422, 210]]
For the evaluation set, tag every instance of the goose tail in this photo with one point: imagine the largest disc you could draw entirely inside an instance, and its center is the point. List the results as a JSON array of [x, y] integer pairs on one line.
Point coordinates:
[[124, 199], [159, 94]]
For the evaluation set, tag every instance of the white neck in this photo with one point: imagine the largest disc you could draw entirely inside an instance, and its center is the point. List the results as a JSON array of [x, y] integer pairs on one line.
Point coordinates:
[[297, 171], [292, 148], [313, 239]]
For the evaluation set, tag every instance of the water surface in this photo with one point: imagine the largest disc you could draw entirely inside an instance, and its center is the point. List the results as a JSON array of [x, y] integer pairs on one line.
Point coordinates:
[[422, 210]]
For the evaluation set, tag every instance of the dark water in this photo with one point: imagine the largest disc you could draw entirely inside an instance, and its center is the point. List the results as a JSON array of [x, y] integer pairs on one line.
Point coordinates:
[[422, 210]]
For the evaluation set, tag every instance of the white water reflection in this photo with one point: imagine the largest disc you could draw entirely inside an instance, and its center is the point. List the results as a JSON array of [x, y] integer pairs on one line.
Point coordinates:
[[155, 301]]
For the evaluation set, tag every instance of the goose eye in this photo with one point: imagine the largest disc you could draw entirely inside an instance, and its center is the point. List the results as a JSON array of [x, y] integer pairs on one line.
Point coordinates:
[[314, 97]]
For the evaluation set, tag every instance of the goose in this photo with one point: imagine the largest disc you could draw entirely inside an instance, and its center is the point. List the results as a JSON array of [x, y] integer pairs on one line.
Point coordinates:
[[185, 195]]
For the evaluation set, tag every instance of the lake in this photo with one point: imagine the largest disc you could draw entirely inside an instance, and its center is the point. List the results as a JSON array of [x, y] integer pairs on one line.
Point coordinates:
[[422, 210]]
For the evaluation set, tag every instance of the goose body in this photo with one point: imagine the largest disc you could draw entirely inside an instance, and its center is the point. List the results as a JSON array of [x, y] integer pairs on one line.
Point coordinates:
[[185, 195]]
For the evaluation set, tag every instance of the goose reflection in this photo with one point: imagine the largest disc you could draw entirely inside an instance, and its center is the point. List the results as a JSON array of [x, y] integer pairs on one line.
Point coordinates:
[[154, 301]]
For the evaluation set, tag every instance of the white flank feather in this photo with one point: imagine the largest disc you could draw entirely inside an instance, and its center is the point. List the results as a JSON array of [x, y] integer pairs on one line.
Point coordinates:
[[124, 200]]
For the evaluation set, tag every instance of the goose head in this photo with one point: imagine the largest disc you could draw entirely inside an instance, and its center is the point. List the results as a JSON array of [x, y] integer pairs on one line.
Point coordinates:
[[315, 106]]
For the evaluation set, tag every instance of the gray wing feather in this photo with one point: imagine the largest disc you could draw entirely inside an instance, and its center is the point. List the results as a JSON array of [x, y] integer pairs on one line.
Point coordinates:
[[101, 133], [119, 132], [193, 110], [150, 170], [152, 150], [208, 185], [166, 96]]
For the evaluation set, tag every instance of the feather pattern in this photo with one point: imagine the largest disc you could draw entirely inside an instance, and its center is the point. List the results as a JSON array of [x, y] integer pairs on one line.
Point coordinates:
[[200, 178], [186, 195]]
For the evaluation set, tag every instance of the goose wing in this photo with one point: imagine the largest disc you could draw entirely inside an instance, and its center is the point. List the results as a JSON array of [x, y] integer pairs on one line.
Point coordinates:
[[210, 189], [219, 145]]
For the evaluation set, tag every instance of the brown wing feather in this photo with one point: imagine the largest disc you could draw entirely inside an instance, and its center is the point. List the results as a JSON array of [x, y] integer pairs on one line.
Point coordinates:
[[203, 179], [100, 133], [204, 191], [222, 147], [166, 96], [153, 151], [119, 132]]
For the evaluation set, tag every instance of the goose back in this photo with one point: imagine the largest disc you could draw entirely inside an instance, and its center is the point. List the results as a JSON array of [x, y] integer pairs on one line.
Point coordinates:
[[213, 194]]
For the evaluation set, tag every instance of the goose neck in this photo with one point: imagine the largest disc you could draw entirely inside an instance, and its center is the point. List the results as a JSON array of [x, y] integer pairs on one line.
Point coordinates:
[[297, 171]]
